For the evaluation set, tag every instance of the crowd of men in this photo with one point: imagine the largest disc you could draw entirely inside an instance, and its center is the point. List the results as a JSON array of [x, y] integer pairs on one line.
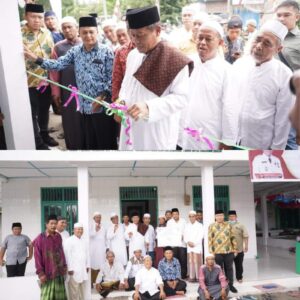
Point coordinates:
[[130, 256], [228, 85]]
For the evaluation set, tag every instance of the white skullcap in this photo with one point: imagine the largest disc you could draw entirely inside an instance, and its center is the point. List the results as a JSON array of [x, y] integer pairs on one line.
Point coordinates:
[[121, 25], [251, 22], [187, 8], [113, 214], [276, 28], [202, 16], [96, 213], [69, 19], [215, 26], [108, 22], [162, 216], [147, 215], [209, 255], [137, 249], [192, 212], [78, 225]]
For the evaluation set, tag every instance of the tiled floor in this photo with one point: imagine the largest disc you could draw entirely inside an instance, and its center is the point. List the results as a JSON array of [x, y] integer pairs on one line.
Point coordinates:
[[272, 266]]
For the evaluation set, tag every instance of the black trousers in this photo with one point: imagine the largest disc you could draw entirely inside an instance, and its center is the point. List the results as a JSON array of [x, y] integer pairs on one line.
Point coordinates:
[[40, 104], [238, 262], [225, 261], [147, 296], [181, 286], [131, 283], [100, 132], [16, 270], [181, 254]]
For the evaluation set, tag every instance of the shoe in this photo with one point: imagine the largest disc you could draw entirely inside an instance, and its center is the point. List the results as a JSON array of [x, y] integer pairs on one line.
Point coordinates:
[[104, 293], [240, 280], [50, 141], [233, 289], [42, 147]]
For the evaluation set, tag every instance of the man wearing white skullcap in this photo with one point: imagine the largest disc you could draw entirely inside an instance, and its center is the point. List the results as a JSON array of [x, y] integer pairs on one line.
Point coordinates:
[[193, 236], [98, 245], [208, 87], [150, 243], [260, 94], [109, 29], [71, 119], [116, 239], [78, 264]]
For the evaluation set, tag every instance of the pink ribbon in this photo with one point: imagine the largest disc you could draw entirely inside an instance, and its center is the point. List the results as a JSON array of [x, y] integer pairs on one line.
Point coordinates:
[[74, 94], [42, 86], [128, 123], [196, 134]]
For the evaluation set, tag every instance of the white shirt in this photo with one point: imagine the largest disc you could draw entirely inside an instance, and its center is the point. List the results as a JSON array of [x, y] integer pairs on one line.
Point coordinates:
[[125, 226], [77, 257], [133, 266], [148, 281], [261, 98], [267, 167], [98, 246], [111, 273], [64, 234], [137, 241], [177, 229], [194, 233], [152, 237], [208, 86], [160, 131], [116, 242]]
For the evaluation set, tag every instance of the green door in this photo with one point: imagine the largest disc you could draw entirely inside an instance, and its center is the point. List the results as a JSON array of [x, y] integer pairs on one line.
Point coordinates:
[[221, 197], [61, 201]]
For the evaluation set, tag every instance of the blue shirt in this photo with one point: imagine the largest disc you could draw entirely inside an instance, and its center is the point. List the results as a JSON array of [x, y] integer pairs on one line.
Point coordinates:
[[93, 71], [169, 270]]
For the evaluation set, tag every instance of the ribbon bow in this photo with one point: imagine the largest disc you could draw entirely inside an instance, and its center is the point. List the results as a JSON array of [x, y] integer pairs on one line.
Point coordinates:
[[74, 94], [42, 86], [198, 135]]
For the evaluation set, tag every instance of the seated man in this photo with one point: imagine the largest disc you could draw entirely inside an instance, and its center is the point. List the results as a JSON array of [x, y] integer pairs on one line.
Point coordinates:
[[148, 283], [135, 263], [170, 271], [111, 276], [213, 284]]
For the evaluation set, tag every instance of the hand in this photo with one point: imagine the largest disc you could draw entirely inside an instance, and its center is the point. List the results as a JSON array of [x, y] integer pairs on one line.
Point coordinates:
[[192, 245], [138, 111], [126, 285], [71, 273], [235, 253], [121, 286], [1, 119], [225, 147], [130, 234], [117, 118], [170, 284], [162, 295], [28, 258], [206, 294], [223, 294], [29, 54], [237, 55], [1, 262], [98, 287], [97, 227], [43, 279], [246, 249], [96, 107], [56, 100], [296, 81], [136, 296]]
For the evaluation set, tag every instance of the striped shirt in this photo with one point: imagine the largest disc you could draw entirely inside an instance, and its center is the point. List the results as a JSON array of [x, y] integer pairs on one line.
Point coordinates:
[[40, 44]]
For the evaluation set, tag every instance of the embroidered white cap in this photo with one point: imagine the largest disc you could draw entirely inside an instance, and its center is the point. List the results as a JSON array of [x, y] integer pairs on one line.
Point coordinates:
[[69, 19], [78, 225], [147, 215], [113, 214], [215, 26], [96, 213], [276, 28]]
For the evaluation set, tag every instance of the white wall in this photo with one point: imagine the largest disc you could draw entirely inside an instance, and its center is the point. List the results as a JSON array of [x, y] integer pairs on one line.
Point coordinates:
[[21, 200]]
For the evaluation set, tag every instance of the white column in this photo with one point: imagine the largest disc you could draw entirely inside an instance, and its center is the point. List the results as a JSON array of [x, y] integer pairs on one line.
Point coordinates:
[[208, 201], [265, 223], [83, 210], [14, 98]]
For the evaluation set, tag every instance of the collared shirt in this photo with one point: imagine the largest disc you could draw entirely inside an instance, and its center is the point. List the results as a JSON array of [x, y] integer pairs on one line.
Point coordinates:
[[16, 248], [49, 255], [233, 47], [93, 71], [120, 68], [133, 266], [221, 239], [148, 281], [111, 273], [240, 233], [176, 228], [64, 234], [169, 270], [291, 48], [40, 44], [212, 277]]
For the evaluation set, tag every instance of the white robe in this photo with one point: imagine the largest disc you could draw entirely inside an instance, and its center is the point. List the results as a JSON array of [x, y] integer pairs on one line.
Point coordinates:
[[77, 257], [262, 101], [160, 131], [137, 241], [152, 237], [116, 242], [208, 86], [194, 233], [176, 230], [98, 246]]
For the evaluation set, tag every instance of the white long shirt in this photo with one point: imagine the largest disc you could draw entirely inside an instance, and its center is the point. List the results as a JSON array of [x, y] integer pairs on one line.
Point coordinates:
[[160, 131], [208, 86], [176, 229], [111, 273], [152, 237], [194, 233], [116, 242], [133, 266], [148, 280], [262, 100], [98, 246], [137, 241], [77, 257], [64, 234]]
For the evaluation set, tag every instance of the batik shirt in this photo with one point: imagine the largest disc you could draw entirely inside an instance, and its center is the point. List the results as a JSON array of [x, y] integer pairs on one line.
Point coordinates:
[[221, 239], [93, 71], [40, 44], [169, 270]]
